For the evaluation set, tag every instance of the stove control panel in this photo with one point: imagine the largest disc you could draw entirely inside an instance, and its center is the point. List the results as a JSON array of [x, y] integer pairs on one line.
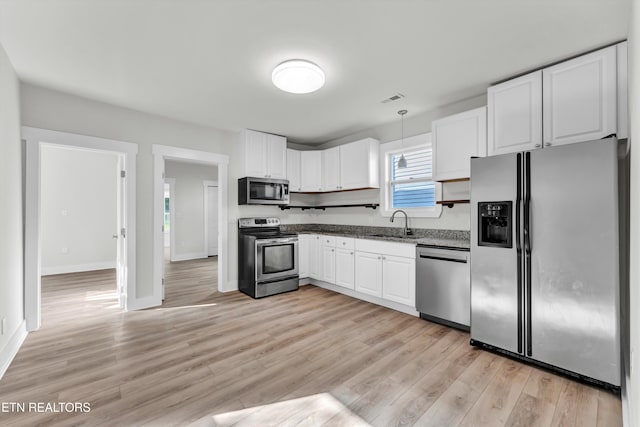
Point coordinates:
[[258, 222]]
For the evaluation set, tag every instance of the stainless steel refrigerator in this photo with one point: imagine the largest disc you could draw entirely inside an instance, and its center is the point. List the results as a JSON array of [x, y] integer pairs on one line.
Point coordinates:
[[545, 257]]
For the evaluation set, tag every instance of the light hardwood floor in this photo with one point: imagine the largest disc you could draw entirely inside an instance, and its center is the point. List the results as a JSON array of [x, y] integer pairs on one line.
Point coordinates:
[[311, 357]]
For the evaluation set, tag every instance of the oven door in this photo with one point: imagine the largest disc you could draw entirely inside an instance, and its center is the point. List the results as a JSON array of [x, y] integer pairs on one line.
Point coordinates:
[[276, 258]]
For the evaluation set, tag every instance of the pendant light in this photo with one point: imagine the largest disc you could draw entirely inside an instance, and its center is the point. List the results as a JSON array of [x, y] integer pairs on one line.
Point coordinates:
[[402, 162]]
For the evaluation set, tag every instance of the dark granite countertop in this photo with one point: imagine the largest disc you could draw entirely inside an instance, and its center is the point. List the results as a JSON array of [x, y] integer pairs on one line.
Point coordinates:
[[458, 239]]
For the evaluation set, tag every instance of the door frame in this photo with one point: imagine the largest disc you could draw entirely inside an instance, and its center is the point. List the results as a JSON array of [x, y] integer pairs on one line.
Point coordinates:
[[161, 153], [34, 139], [172, 217], [205, 188]]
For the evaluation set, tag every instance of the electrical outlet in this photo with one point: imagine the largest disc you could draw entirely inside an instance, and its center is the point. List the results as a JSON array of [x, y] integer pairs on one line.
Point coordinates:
[[65, 250]]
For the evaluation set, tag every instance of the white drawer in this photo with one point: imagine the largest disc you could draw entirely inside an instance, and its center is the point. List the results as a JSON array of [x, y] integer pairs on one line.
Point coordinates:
[[406, 250], [345, 242], [328, 240]]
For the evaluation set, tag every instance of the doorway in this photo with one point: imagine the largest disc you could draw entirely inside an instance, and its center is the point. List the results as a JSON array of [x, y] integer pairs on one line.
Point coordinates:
[[38, 139], [211, 217], [184, 233]]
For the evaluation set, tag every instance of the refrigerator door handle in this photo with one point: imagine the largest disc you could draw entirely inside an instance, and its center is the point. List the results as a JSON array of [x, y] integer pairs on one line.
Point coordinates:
[[527, 246], [519, 246]]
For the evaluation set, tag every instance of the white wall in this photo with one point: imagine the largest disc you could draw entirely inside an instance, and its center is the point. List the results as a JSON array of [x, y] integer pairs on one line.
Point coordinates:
[[456, 218], [633, 378], [59, 111], [11, 213], [79, 210], [188, 224]]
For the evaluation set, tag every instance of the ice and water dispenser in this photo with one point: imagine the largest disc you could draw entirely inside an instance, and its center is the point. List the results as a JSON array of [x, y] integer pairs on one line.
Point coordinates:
[[494, 224]]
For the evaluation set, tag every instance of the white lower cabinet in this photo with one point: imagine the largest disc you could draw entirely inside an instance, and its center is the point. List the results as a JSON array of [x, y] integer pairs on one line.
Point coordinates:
[[385, 270], [345, 263], [399, 279], [303, 255], [369, 273], [328, 264], [315, 256]]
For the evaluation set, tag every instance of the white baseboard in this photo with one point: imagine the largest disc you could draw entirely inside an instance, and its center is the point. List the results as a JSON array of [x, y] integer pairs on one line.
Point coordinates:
[[11, 349], [142, 303], [369, 298], [64, 269], [187, 257], [232, 285]]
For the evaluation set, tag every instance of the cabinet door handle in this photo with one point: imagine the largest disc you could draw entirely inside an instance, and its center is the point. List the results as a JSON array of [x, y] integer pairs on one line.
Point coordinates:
[[333, 250], [379, 257], [538, 145], [384, 257], [350, 253], [547, 144]]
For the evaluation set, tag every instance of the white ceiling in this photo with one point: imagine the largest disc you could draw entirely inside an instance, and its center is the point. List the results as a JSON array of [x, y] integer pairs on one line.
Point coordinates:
[[210, 61]]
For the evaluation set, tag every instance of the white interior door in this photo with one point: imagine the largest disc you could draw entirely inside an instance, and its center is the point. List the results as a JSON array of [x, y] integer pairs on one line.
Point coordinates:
[[167, 215], [120, 234], [212, 220]]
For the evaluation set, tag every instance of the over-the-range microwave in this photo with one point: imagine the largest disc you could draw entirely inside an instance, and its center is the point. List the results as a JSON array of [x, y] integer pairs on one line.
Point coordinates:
[[263, 191]]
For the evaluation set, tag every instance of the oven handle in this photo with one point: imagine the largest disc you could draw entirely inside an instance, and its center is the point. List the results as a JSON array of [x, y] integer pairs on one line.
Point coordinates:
[[263, 242]]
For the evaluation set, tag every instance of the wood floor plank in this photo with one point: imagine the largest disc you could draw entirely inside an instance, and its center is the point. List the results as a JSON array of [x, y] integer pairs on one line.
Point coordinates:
[[305, 358]]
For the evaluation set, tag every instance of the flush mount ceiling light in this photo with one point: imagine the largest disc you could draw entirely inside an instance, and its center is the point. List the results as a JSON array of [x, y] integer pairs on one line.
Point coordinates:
[[298, 76]]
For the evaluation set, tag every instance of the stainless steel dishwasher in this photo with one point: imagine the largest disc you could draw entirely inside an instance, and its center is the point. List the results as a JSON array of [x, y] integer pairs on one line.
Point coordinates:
[[443, 285]]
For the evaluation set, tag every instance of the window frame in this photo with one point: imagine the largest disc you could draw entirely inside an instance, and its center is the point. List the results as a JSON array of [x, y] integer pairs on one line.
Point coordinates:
[[387, 150]]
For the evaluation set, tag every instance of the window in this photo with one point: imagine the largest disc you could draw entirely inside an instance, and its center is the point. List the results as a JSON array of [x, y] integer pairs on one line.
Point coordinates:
[[411, 188]]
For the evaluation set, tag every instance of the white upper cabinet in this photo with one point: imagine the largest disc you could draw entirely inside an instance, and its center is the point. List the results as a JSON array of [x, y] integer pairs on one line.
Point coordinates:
[[276, 156], [255, 153], [311, 171], [331, 169], [580, 98], [623, 113], [514, 113], [293, 170], [359, 166], [456, 139], [346, 167], [265, 155]]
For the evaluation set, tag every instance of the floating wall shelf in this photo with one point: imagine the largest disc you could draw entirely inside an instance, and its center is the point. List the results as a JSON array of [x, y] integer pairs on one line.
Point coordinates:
[[363, 205], [450, 203]]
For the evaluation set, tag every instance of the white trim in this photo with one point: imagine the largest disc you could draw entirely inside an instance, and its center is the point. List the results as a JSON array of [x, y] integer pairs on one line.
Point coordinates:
[[232, 285], [205, 188], [364, 297], [172, 218], [390, 148], [160, 154], [10, 350], [63, 269], [145, 302], [35, 138], [190, 255]]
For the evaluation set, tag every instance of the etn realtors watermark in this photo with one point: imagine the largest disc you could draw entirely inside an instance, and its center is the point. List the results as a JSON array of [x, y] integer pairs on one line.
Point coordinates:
[[44, 407]]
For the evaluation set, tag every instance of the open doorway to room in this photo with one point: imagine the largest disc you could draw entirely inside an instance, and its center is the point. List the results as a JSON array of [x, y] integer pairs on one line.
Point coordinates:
[[79, 225], [190, 261], [79, 231]]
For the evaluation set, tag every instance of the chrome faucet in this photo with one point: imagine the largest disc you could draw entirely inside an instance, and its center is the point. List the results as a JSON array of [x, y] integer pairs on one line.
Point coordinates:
[[406, 231]]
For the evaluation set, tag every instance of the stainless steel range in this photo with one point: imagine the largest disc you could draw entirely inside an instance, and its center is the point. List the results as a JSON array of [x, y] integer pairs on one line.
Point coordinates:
[[267, 257]]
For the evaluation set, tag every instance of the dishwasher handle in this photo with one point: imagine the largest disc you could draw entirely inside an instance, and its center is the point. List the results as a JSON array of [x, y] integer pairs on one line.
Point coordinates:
[[442, 258]]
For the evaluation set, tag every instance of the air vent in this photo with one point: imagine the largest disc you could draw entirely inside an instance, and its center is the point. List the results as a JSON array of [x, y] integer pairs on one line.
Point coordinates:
[[393, 98]]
